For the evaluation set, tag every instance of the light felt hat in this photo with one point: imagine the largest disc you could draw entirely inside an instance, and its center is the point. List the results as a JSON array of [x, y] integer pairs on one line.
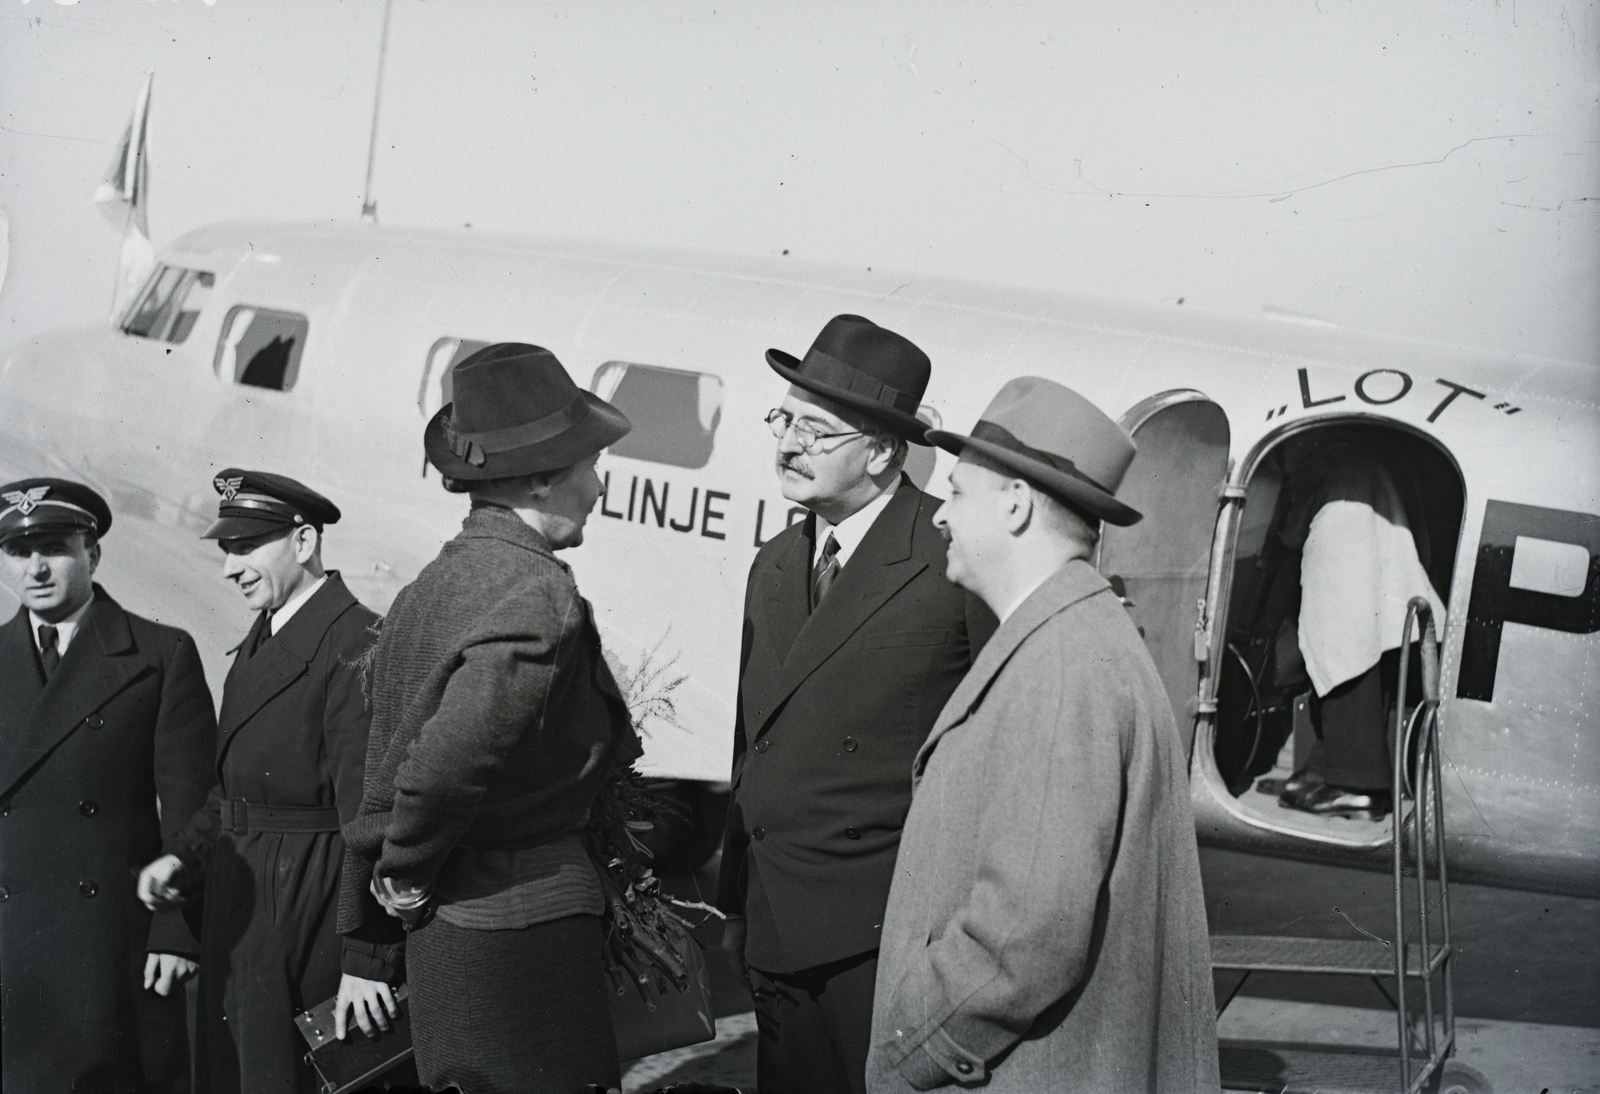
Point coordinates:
[[1057, 440]]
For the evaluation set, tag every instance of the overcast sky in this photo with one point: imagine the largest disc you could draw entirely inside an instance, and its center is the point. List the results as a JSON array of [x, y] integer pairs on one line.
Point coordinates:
[[1425, 170]]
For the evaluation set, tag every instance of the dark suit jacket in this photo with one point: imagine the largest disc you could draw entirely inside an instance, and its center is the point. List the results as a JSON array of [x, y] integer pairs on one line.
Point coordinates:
[[832, 708], [125, 721], [293, 733]]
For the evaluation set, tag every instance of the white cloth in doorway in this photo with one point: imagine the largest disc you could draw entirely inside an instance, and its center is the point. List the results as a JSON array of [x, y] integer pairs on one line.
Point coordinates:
[[1358, 569]]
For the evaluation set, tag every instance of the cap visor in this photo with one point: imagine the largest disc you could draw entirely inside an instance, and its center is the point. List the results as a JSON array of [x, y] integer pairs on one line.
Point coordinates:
[[243, 528], [44, 528]]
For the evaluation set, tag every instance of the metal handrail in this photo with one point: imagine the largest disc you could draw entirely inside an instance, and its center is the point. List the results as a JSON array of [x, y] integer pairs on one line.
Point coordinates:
[[1428, 779]]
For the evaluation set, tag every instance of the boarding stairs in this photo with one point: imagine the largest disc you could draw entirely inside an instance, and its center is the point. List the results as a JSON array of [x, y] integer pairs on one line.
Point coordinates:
[[1417, 957]]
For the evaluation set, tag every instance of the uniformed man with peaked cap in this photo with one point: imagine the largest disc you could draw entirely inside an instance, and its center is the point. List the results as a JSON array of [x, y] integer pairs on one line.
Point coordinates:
[[291, 746], [106, 731]]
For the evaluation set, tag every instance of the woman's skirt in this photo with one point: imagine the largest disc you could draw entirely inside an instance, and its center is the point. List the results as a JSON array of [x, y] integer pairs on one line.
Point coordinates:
[[520, 1010]]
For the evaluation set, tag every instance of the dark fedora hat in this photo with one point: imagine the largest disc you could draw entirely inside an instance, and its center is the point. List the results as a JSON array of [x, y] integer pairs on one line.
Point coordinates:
[[1057, 440], [867, 368], [51, 505], [516, 411]]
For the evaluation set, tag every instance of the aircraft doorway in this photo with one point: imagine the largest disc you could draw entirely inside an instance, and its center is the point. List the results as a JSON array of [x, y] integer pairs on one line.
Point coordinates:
[[1271, 731]]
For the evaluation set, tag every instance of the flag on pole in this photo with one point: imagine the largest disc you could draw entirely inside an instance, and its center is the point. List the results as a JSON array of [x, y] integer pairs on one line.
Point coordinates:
[[124, 199]]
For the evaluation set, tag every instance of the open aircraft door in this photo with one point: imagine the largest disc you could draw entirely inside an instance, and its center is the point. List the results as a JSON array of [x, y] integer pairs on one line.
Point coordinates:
[[1161, 564]]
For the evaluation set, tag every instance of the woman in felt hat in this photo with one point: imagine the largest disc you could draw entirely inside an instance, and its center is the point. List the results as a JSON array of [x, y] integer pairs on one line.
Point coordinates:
[[495, 721]]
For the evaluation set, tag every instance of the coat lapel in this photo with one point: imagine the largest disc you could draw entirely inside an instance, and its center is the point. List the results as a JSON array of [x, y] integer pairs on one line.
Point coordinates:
[[280, 660], [789, 595], [20, 678], [92, 670], [1068, 585], [880, 567]]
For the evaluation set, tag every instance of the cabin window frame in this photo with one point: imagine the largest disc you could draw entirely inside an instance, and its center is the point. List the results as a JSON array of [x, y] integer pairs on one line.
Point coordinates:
[[228, 341], [689, 456], [430, 382]]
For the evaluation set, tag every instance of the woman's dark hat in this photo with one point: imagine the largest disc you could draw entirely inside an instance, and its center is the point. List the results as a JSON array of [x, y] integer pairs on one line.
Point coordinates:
[[516, 411], [51, 505], [1057, 440], [867, 368], [259, 503]]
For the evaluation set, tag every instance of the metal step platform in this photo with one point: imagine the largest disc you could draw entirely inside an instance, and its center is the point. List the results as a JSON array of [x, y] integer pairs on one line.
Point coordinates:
[[1411, 958]]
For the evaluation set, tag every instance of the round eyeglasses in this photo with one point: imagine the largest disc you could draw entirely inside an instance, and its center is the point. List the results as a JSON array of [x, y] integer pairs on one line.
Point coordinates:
[[805, 433]]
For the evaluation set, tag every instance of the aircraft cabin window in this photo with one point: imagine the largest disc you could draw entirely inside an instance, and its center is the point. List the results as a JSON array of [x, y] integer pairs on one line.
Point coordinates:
[[443, 357], [260, 347], [169, 305], [675, 412]]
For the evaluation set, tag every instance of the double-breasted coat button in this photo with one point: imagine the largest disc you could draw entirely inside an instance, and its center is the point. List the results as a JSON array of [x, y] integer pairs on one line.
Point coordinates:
[[87, 888], [762, 745], [94, 721], [5, 809], [88, 807], [5, 894], [758, 832], [851, 833], [849, 744], [964, 1066]]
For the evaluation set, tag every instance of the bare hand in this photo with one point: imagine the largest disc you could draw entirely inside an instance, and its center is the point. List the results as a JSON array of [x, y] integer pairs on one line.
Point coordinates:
[[368, 1000], [733, 936], [165, 971], [160, 884]]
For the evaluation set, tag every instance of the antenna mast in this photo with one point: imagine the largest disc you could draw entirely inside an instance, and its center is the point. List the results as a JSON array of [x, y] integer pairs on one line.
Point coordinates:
[[369, 204]]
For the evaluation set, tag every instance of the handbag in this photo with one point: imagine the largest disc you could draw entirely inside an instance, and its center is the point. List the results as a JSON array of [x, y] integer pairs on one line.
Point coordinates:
[[660, 989], [356, 1061]]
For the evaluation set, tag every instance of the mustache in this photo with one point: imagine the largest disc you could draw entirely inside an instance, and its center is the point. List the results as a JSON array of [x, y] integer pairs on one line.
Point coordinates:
[[792, 463]]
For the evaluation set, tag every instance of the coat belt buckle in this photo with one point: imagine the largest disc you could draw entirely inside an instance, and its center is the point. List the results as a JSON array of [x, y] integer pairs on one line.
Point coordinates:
[[235, 817]]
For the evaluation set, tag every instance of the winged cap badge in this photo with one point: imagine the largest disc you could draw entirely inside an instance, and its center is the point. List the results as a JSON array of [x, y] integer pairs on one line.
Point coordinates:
[[26, 501], [228, 488]]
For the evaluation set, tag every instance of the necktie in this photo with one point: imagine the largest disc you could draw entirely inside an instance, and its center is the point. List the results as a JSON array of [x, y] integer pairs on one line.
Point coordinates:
[[49, 656], [261, 635], [824, 572]]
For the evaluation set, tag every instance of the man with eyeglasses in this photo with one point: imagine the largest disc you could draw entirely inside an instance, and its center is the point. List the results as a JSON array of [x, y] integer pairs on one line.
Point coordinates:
[[853, 639]]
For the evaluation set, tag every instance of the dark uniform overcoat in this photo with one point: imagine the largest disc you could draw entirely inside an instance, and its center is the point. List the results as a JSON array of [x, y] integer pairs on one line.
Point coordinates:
[[291, 749], [832, 707], [124, 722]]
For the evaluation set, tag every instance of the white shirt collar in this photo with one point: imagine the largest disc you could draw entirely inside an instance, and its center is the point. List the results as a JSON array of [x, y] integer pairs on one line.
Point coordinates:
[[850, 531], [64, 629], [285, 613]]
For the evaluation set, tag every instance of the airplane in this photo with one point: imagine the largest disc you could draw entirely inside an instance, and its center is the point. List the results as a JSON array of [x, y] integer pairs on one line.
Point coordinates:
[[319, 350]]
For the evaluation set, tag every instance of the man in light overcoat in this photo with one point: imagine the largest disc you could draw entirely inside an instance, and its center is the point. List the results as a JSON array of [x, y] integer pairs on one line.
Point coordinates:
[[852, 641], [1046, 928]]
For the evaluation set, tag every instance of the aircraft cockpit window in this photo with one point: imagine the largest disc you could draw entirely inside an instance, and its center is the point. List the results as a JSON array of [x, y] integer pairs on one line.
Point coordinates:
[[261, 347], [675, 412], [170, 304], [443, 357]]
